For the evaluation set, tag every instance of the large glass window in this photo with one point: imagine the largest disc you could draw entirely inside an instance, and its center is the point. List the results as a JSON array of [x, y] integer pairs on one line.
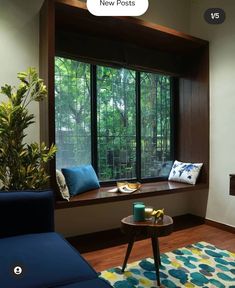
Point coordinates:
[[116, 114], [72, 112], [155, 125], [130, 111]]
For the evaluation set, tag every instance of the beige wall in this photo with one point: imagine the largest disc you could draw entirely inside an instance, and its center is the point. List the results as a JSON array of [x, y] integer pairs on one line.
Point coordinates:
[[19, 49], [87, 219], [19, 45], [221, 206], [170, 13]]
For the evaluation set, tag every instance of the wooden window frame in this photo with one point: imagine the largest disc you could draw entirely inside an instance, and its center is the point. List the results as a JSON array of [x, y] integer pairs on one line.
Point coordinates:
[[189, 61], [94, 136]]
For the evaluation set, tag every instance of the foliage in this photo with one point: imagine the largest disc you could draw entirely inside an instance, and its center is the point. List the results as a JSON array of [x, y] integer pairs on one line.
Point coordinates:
[[22, 166], [116, 119]]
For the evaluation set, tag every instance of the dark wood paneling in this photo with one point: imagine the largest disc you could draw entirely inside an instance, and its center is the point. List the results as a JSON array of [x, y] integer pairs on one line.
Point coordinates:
[[117, 53], [165, 50], [232, 184], [47, 53], [147, 190], [193, 107], [193, 114], [127, 29]]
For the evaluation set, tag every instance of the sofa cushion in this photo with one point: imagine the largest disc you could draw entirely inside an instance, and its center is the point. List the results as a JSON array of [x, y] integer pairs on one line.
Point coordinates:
[[47, 260], [93, 283]]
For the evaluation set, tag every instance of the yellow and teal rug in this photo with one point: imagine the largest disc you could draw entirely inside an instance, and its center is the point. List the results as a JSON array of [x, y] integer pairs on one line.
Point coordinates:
[[197, 265]]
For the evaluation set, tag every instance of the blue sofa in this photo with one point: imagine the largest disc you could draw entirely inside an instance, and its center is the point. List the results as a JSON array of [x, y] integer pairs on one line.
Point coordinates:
[[32, 255]]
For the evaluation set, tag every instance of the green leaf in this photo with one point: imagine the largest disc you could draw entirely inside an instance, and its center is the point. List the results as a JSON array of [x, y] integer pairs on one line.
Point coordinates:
[[22, 166], [6, 90]]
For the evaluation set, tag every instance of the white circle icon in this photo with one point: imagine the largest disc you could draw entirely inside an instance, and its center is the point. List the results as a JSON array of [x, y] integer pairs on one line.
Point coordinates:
[[117, 7], [17, 270]]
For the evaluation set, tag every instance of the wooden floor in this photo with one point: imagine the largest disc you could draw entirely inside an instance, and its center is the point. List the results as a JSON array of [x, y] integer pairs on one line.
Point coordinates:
[[111, 257]]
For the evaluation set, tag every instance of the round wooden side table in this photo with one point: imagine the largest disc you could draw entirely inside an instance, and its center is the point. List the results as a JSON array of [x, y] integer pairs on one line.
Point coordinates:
[[153, 230]]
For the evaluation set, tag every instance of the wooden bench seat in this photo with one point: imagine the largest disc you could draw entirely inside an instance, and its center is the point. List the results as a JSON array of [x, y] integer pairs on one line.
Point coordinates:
[[102, 195]]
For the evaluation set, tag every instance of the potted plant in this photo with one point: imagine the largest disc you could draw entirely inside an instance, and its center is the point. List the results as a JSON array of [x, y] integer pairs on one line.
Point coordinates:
[[22, 165]]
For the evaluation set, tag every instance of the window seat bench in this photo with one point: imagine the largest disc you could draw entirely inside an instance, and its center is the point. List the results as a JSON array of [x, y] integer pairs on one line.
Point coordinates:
[[102, 195]]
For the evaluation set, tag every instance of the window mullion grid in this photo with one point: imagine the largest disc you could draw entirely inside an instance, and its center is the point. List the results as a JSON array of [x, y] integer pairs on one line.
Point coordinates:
[[138, 126], [94, 142]]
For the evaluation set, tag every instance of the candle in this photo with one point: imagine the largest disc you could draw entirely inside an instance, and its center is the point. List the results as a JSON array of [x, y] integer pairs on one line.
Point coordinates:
[[148, 213], [139, 212], [133, 205]]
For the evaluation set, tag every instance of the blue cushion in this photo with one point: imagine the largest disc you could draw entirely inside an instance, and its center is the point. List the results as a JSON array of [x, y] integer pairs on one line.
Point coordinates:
[[94, 283], [80, 179], [47, 260]]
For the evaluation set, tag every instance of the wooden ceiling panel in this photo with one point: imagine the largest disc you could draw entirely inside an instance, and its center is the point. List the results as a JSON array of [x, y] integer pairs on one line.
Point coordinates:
[[131, 30]]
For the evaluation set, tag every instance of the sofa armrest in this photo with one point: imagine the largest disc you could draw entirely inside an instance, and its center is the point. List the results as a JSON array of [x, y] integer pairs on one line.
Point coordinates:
[[26, 212]]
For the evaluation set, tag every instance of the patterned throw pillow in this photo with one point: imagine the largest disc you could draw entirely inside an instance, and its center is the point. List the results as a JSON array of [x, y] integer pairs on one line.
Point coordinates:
[[185, 172], [62, 185]]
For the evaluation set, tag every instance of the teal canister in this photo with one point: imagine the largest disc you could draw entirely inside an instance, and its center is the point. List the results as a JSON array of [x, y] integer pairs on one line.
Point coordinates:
[[133, 205], [139, 212]]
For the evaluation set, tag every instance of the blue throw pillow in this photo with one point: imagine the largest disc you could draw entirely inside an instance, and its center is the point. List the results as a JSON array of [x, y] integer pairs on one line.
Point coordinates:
[[80, 179]]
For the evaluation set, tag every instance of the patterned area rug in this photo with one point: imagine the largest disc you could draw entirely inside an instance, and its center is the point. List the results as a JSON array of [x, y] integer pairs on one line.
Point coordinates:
[[197, 265]]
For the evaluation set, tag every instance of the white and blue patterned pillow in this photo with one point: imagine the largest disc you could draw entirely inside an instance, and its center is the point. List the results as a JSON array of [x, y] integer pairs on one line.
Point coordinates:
[[185, 172]]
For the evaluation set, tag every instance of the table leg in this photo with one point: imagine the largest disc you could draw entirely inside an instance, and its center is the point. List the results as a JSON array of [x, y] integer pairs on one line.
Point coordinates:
[[158, 252], [128, 251], [156, 256]]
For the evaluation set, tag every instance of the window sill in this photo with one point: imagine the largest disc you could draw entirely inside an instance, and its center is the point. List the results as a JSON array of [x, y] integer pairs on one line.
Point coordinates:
[[101, 195]]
